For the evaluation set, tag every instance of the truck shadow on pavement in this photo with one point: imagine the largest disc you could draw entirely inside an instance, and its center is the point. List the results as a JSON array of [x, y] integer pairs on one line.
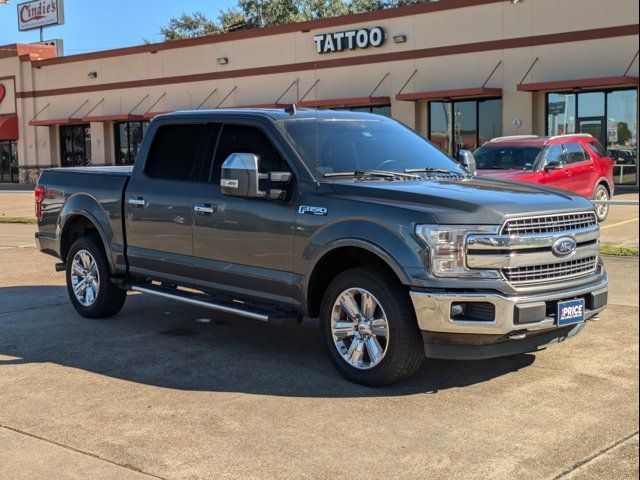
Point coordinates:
[[170, 345]]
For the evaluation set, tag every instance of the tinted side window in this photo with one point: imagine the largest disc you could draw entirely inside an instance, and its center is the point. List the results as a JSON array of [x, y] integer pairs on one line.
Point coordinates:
[[247, 139], [575, 153], [555, 153], [175, 151], [598, 148]]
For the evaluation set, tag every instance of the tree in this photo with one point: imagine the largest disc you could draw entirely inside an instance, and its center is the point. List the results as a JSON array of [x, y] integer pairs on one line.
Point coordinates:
[[624, 134], [249, 14], [189, 26]]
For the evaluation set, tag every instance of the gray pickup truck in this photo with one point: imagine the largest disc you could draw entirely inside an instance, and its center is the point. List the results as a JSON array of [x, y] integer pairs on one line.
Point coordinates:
[[347, 217]]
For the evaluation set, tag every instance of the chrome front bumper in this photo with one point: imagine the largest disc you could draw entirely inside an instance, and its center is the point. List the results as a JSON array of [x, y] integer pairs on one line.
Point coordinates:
[[433, 310]]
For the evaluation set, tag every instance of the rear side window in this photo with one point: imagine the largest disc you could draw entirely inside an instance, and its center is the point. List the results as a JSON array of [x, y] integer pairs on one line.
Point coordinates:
[[247, 139], [175, 150], [575, 153], [598, 148]]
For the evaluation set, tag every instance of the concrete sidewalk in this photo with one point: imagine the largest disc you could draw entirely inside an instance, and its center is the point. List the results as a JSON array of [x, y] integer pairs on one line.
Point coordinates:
[[621, 227]]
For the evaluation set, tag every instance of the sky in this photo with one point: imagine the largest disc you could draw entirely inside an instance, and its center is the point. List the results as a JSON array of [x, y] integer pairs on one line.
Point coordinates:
[[90, 26]]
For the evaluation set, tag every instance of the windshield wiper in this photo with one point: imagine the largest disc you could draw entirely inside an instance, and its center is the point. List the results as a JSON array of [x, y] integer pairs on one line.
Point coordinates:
[[431, 170], [371, 173]]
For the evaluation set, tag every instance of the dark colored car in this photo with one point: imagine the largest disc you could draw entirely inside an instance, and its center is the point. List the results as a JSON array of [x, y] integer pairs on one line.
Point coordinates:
[[346, 217], [623, 157], [577, 163]]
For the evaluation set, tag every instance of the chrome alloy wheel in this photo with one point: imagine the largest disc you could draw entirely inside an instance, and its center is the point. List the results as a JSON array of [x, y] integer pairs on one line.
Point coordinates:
[[359, 328], [85, 278], [602, 208]]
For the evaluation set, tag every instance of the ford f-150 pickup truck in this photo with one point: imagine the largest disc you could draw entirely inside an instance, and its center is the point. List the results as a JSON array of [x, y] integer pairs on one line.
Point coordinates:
[[347, 217]]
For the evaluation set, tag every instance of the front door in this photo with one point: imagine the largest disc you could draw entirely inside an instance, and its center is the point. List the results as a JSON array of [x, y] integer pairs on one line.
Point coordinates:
[[8, 162], [244, 246], [559, 177], [159, 203], [594, 126]]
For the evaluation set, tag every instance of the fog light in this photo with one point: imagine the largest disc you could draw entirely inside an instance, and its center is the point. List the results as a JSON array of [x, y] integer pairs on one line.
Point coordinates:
[[458, 310]]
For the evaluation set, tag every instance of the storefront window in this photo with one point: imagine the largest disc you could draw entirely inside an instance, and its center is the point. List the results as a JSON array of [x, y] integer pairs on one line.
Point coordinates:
[[465, 124], [75, 145], [489, 120], [440, 125], [622, 135], [8, 162], [561, 113], [609, 115], [591, 104], [128, 139]]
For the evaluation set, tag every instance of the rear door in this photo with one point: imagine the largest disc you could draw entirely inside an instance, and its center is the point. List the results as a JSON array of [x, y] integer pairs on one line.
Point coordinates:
[[560, 177], [582, 169], [245, 245], [159, 202]]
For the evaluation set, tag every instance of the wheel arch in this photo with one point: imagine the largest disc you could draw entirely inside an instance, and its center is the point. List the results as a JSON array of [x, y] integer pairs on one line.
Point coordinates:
[[76, 223], [343, 255], [605, 182]]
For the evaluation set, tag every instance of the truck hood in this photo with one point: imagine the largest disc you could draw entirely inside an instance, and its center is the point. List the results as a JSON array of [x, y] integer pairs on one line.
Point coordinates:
[[469, 201]]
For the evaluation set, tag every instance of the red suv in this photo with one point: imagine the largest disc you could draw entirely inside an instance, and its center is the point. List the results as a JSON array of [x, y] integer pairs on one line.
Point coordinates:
[[572, 162]]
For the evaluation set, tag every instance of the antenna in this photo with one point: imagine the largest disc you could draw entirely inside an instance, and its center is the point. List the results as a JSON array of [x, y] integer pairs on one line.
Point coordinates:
[[315, 93]]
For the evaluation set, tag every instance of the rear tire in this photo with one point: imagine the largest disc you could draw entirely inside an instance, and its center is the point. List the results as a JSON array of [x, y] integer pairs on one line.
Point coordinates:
[[602, 211], [89, 285], [384, 311]]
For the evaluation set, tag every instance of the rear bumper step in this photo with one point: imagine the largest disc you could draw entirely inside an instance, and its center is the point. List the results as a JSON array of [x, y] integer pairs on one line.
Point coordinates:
[[201, 300]]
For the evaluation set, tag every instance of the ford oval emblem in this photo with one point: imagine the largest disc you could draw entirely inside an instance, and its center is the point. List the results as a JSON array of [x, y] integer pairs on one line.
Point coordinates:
[[564, 246]]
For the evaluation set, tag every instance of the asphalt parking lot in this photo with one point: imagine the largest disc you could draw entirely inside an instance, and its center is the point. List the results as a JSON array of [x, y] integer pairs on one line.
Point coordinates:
[[173, 391]]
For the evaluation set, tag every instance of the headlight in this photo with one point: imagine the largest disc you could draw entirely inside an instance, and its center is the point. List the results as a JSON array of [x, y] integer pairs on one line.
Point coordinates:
[[447, 249]]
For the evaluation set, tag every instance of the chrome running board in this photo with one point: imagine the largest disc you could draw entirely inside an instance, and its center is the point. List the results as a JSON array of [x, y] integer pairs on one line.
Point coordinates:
[[201, 301]]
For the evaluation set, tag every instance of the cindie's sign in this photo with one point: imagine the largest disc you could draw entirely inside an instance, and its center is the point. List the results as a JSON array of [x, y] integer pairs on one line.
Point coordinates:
[[349, 40], [40, 13]]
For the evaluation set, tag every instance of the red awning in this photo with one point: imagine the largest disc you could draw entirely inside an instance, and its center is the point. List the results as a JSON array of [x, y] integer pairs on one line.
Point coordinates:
[[600, 82], [9, 127], [460, 93], [118, 117], [150, 115], [346, 102], [55, 121]]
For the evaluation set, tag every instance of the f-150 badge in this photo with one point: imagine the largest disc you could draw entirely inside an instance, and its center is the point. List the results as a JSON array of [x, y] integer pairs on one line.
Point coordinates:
[[307, 210]]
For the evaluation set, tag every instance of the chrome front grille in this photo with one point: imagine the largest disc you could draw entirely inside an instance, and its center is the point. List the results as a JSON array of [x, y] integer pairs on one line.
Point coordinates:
[[549, 224], [551, 272], [524, 251]]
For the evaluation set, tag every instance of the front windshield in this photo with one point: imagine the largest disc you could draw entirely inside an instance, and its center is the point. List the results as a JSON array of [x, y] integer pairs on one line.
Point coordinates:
[[497, 157], [355, 145]]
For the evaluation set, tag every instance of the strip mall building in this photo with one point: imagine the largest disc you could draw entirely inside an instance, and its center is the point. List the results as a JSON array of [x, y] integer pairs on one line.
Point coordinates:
[[458, 71]]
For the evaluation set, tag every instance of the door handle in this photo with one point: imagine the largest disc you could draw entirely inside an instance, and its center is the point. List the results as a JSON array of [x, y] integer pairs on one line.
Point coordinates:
[[206, 208], [137, 202]]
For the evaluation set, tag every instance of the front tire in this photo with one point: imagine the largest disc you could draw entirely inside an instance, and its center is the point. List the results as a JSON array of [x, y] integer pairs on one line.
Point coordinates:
[[370, 329], [601, 194], [89, 285]]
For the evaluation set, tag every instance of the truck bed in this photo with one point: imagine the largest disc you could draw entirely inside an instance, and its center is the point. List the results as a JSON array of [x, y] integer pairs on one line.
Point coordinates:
[[95, 192]]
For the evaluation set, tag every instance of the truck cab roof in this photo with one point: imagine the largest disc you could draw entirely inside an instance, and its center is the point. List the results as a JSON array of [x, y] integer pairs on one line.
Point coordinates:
[[272, 113]]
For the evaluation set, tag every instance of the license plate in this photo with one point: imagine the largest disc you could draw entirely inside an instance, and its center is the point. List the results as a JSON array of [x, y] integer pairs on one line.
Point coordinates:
[[570, 312]]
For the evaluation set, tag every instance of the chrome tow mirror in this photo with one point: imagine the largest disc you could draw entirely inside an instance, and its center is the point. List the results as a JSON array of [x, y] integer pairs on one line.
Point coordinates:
[[468, 161], [240, 177]]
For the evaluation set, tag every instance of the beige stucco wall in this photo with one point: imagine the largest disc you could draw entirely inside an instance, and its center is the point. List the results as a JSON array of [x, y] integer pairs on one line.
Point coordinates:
[[495, 21]]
